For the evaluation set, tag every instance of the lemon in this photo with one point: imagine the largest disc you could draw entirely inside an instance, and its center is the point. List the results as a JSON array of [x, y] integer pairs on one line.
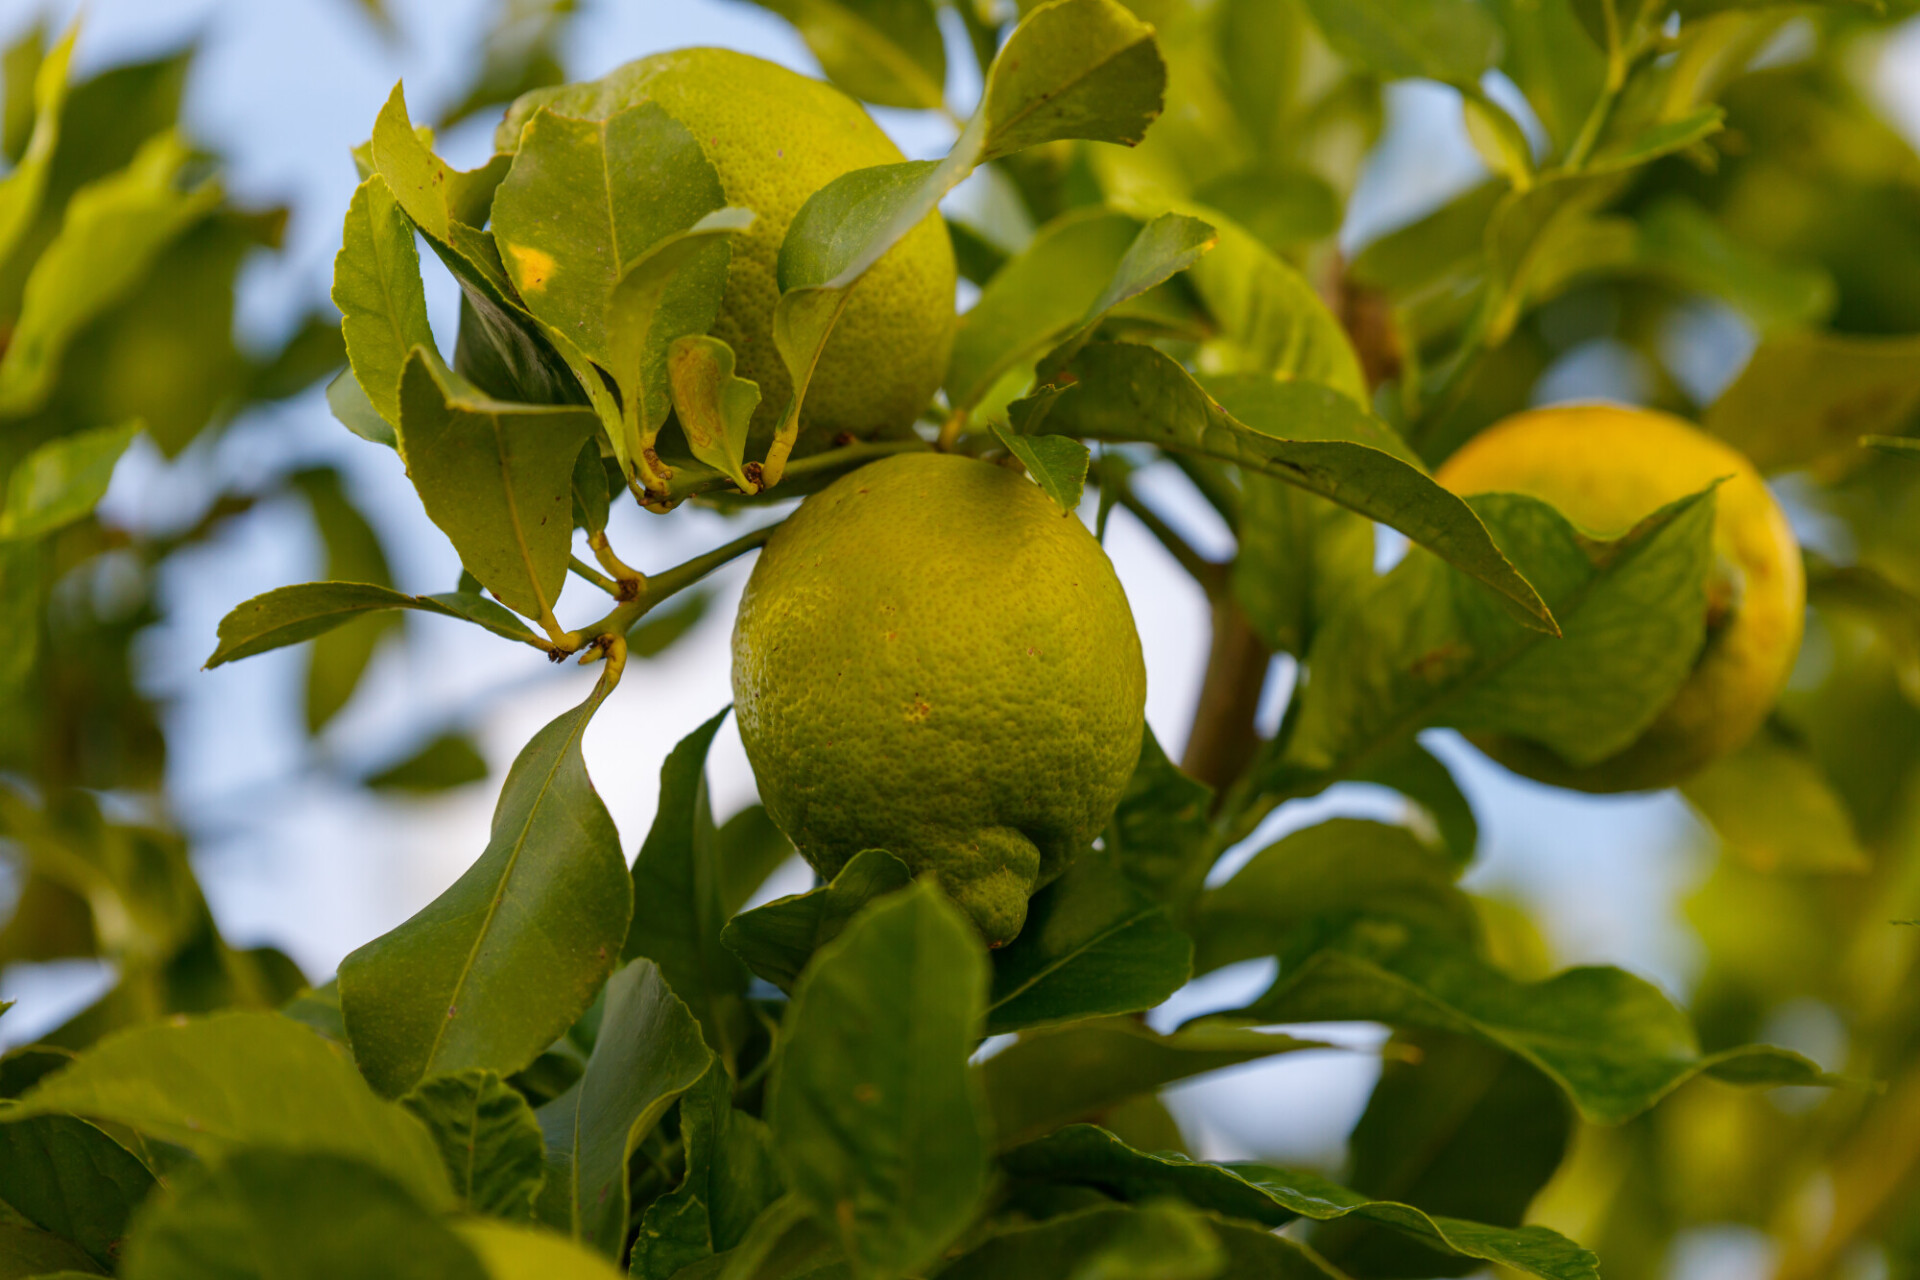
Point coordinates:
[[931, 658], [1606, 468], [774, 138]]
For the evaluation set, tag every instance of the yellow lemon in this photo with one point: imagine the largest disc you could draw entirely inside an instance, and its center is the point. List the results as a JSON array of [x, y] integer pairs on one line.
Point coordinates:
[[931, 658], [774, 138], [1606, 467]]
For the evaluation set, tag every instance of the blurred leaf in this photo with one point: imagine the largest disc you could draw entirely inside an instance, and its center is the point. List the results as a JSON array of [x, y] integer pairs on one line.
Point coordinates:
[[66, 1177], [1685, 244], [50, 921], [896, 1164], [1899, 446], [488, 1139], [1274, 1197], [1281, 205], [113, 231], [497, 478], [661, 629], [1612, 1041], [713, 407], [23, 1066], [1271, 321], [647, 1055], [1502, 144], [751, 849], [26, 1251], [520, 53], [447, 761], [319, 1009], [1340, 869], [354, 554], [1056, 1076], [302, 1215], [1331, 447], [234, 1080], [1448, 40], [493, 970], [36, 87], [382, 302], [1093, 944], [314, 351], [1661, 139], [288, 615], [1553, 61], [1463, 1130], [977, 255], [1427, 646], [777, 940], [523, 1253], [1774, 809], [730, 1178], [1162, 1240], [1803, 397], [63, 480], [1058, 464], [347, 401], [1421, 777], [1160, 826], [676, 894], [1301, 560], [888, 52]]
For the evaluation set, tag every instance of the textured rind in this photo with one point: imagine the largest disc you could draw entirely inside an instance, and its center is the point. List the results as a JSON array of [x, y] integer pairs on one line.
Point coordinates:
[[930, 658], [1605, 468], [774, 138]]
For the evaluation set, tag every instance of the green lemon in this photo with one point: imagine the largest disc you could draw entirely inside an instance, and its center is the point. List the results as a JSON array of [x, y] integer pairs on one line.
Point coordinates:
[[774, 138], [931, 658], [1606, 468]]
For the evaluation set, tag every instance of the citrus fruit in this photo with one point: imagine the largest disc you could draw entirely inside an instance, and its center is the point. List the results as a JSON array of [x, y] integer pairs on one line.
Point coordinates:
[[1606, 468], [931, 658], [774, 138]]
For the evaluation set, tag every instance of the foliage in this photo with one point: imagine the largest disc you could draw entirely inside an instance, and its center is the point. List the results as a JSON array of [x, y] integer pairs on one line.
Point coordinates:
[[575, 1063]]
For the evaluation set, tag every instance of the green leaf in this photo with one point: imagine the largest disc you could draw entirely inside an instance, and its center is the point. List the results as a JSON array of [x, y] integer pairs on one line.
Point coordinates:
[[63, 480], [497, 478], [1332, 448], [19, 89], [661, 628], [887, 52], [446, 761], [1418, 774], [112, 233], [730, 1179], [382, 301], [236, 1079], [1056, 463], [751, 849], [354, 554], [1093, 944], [1461, 1129], [488, 1139], [1273, 1197], [1775, 810], [1428, 647], [521, 1253], [1159, 829], [26, 1251], [1163, 1240], [874, 1112], [1301, 560], [521, 53], [301, 1215], [1282, 205], [1166, 246], [347, 401], [777, 940], [69, 1179], [1502, 144], [1449, 40], [714, 408], [1612, 1041], [33, 123], [288, 615], [499, 965], [648, 1053], [1073, 69], [1054, 1077], [435, 196], [677, 911], [1661, 139], [1899, 446], [1803, 397], [592, 492], [1339, 868], [1685, 244]]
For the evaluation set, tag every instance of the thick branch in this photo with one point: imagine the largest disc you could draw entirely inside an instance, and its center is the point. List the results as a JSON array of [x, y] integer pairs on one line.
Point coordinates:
[[1223, 739]]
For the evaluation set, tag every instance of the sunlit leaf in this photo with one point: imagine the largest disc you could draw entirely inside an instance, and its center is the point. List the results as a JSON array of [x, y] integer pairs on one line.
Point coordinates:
[[289, 615], [43, 103], [383, 304]]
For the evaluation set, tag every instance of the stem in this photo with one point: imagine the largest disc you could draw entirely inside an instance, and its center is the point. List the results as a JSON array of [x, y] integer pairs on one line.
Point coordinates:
[[582, 569], [629, 582], [663, 586], [689, 480], [1596, 121], [1223, 740], [950, 429]]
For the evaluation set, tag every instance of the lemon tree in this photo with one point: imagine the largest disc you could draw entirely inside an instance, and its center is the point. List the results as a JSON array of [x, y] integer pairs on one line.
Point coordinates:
[[707, 280]]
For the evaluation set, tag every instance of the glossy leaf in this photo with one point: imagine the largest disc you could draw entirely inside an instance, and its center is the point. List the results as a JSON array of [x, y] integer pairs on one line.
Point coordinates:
[[777, 940], [1093, 944], [1426, 646], [435, 195], [497, 478], [382, 301], [1330, 447], [234, 1080], [1057, 1076], [69, 1179], [488, 1139], [62, 481], [288, 615], [648, 1053], [1803, 397], [1274, 1197], [887, 52], [493, 970], [875, 1115]]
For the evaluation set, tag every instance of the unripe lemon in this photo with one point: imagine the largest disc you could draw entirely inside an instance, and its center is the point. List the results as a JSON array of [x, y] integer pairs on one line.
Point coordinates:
[[774, 138], [1606, 468], [931, 658]]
